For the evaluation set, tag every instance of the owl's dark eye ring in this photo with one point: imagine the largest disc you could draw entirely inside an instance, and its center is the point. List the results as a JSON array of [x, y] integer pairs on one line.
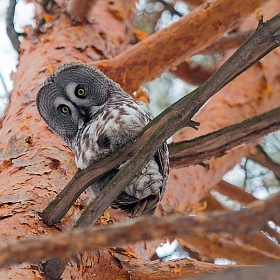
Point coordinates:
[[64, 109], [80, 91]]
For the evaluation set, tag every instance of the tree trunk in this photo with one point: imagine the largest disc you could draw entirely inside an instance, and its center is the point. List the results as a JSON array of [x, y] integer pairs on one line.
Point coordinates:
[[36, 164]]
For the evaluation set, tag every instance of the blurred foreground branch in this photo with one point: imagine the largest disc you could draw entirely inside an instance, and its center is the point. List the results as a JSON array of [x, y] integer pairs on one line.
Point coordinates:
[[66, 244]]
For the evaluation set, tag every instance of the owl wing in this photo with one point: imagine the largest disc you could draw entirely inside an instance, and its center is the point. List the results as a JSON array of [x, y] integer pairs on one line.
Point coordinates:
[[147, 205], [120, 121], [162, 159]]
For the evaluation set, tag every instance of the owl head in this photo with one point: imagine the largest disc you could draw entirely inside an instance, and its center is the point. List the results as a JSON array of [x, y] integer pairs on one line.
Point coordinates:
[[70, 96]]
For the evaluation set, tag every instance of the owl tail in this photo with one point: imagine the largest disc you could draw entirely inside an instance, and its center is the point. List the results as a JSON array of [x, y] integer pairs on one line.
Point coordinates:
[[136, 207]]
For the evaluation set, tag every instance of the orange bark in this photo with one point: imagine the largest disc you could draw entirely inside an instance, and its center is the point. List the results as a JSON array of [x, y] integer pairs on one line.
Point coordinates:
[[35, 163]]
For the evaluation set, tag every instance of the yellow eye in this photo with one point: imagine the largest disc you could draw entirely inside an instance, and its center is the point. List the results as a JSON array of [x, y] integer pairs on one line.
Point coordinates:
[[80, 91], [64, 109]]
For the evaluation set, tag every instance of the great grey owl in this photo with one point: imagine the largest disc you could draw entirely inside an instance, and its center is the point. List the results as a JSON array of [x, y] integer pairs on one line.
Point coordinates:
[[95, 117]]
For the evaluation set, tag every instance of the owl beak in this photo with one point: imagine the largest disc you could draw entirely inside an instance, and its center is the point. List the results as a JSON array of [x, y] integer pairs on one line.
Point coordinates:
[[83, 112]]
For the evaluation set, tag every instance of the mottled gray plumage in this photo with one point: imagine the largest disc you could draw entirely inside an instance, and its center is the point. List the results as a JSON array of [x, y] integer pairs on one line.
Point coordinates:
[[95, 117]]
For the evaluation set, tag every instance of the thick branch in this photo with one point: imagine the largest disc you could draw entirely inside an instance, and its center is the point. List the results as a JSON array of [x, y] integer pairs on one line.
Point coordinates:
[[243, 197], [217, 143], [13, 35], [235, 193], [232, 248], [145, 228], [260, 245], [186, 41]]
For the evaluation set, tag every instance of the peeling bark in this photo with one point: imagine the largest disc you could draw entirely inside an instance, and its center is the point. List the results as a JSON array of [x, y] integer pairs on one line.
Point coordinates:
[[35, 163]]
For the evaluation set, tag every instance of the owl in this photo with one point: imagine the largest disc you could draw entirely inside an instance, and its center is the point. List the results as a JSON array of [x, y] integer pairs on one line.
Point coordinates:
[[95, 117]]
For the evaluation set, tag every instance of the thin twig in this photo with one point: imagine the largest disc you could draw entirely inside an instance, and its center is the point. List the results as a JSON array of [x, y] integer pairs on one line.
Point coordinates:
[[13, 35]]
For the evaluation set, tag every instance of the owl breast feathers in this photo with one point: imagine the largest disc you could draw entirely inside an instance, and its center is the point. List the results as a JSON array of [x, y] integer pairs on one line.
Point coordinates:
[[95, 117]]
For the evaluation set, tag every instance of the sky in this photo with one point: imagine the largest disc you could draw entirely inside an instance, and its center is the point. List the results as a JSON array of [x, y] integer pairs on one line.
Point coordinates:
[[8, 56]]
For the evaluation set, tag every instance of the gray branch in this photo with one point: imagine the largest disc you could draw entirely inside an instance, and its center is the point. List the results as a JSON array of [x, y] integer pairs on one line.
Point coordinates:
[[4, 84], [13, 35], [215, 144]]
